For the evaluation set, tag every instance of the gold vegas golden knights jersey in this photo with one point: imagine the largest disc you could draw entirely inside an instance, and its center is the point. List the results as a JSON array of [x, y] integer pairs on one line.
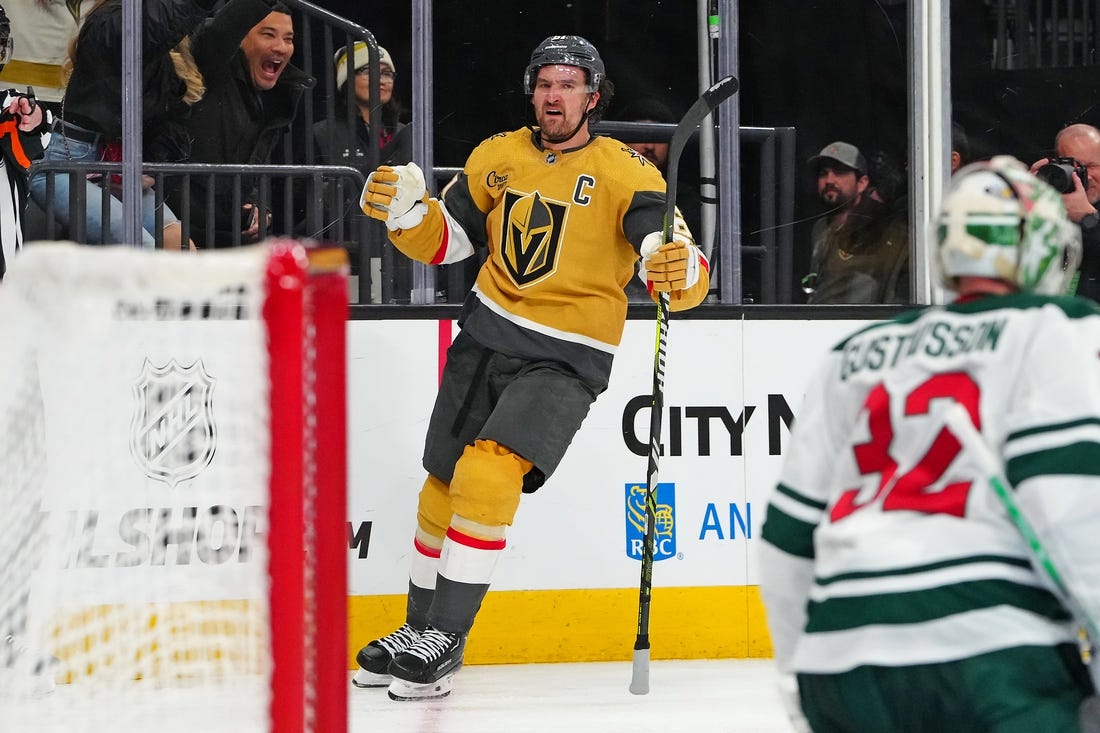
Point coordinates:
[[563, 229]]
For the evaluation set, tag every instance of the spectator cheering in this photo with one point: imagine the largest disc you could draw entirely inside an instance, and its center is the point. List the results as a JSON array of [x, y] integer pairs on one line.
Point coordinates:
[[244, 113], [90, 126]]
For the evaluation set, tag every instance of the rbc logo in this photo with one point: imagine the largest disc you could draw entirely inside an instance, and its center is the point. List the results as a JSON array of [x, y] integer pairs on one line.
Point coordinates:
[[664, 534]]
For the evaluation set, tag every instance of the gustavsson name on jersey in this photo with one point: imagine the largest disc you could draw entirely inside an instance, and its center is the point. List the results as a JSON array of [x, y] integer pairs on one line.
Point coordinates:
[[936, 338]]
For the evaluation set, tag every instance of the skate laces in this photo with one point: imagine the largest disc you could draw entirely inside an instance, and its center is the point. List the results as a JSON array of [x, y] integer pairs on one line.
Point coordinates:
[[433, 643], [399, 640]]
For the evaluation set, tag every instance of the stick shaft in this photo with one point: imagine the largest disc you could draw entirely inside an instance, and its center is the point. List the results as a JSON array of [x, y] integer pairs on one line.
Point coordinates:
[[959, 422], [702, 107]]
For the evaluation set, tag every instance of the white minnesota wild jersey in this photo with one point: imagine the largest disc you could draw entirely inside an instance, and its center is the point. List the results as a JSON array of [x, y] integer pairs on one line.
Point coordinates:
[[884, 543]]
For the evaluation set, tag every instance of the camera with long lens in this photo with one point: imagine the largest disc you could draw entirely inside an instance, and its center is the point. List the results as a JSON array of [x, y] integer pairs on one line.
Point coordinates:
[[1058, 172]]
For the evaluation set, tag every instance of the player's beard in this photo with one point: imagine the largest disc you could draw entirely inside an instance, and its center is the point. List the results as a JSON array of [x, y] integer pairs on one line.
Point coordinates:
[[557, 128]]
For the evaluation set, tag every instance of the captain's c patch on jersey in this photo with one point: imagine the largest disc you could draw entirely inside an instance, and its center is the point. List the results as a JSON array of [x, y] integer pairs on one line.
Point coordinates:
[[533, 227]]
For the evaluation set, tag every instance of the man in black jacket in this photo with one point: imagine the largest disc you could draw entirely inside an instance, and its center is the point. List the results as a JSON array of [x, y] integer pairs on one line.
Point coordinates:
[[241, 118], [1082, 143]]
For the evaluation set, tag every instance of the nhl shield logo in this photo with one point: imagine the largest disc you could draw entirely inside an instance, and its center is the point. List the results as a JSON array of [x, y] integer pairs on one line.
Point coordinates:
[[173, 435]]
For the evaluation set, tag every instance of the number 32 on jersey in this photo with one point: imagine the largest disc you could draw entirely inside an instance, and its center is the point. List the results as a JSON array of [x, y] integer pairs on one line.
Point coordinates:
[[912, 491]]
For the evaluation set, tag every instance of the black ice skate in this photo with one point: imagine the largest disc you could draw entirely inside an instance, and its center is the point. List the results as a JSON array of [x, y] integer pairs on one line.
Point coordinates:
[[375, 657], [426, 670]]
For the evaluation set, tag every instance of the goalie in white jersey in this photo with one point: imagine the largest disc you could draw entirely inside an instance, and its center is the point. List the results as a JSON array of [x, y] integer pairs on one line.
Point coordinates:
[[899, 591]]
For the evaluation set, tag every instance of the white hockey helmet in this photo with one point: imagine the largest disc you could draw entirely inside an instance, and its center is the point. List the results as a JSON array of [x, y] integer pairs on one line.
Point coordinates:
[[999, 221]]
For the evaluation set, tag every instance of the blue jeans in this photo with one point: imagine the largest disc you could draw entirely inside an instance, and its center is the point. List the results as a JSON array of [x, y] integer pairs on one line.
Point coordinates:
[[67, 149]]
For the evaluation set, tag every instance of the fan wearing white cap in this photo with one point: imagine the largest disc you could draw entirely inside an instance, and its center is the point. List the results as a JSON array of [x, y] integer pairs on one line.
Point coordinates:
[[333, 138]]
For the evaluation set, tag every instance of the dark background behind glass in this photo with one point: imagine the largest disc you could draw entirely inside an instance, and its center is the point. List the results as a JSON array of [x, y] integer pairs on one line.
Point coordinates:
[[833, 69]]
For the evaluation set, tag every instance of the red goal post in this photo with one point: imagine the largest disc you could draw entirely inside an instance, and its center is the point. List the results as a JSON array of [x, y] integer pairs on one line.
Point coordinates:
[[306, 314], [173, 547]]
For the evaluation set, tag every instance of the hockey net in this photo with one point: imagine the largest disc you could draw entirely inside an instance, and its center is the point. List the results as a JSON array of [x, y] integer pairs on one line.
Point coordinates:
[[172, 490]]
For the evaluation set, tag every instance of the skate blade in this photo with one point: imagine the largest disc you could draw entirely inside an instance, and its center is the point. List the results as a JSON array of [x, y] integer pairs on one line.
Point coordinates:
[[363, 679], [407, 691]]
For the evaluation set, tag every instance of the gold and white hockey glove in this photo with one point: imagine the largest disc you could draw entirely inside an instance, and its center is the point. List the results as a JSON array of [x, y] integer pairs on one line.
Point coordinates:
[[396, 195], [671, 266]]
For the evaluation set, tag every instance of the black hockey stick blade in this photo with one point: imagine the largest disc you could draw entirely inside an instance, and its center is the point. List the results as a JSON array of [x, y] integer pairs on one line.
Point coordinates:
[[711, 98], [719, 92]]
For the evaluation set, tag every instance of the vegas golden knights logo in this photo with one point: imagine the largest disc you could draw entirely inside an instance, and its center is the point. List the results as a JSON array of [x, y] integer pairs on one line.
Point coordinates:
[[173, 436], [531, 240]]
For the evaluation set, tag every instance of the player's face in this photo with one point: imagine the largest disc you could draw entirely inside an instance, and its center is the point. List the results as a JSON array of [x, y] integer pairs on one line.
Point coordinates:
[[267, 49], [560, 99], [838, 185]]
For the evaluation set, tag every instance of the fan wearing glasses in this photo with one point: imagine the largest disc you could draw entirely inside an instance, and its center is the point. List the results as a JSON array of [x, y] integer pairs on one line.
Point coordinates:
[[343, 138]]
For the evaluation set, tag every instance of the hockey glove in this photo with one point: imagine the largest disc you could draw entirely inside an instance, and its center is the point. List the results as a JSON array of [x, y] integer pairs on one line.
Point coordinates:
[[672, 266], [396, 195]]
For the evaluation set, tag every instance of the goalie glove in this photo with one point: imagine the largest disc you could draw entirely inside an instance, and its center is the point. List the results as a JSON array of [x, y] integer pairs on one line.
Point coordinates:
[[672, 266], [396, 195]]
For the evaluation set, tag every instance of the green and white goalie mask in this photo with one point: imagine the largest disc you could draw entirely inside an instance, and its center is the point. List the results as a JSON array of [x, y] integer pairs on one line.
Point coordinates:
[[999, 221]]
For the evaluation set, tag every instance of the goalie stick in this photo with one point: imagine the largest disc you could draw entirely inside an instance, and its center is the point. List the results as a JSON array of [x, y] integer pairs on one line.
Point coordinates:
[[707, 102], [959, 421]]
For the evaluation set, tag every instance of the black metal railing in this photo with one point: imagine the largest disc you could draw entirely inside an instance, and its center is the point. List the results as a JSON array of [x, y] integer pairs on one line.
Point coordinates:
[[771, 243], [308, 202], [321, 203]]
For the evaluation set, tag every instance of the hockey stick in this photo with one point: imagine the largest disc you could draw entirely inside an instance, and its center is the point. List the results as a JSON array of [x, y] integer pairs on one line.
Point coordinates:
[[959, 421], [710, 99]]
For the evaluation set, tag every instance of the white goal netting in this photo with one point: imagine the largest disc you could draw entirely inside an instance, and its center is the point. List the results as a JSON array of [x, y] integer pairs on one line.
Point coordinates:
[[134, 483]]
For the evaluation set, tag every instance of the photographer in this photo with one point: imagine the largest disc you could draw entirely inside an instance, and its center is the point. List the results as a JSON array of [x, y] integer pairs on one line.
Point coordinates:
[[1075, 172]]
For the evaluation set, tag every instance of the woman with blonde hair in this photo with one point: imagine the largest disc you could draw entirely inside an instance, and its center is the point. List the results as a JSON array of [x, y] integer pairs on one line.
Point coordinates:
[[90, 124]]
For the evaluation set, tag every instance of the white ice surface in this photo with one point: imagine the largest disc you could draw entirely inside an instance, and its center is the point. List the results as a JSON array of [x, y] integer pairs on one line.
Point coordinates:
[[715, 696]]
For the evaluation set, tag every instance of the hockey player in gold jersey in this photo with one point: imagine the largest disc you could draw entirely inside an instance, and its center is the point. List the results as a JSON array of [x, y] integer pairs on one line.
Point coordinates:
[[565, 216]]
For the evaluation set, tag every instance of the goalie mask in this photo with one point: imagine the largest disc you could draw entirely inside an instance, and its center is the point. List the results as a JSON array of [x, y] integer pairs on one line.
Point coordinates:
[[1001, 222], [569, 51]]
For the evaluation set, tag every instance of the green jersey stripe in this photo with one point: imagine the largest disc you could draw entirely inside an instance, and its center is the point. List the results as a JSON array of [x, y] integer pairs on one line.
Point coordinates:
[[800, 498], [1039, 430], [790, 535], [917, 569], [1076, 459], [914, 607]]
